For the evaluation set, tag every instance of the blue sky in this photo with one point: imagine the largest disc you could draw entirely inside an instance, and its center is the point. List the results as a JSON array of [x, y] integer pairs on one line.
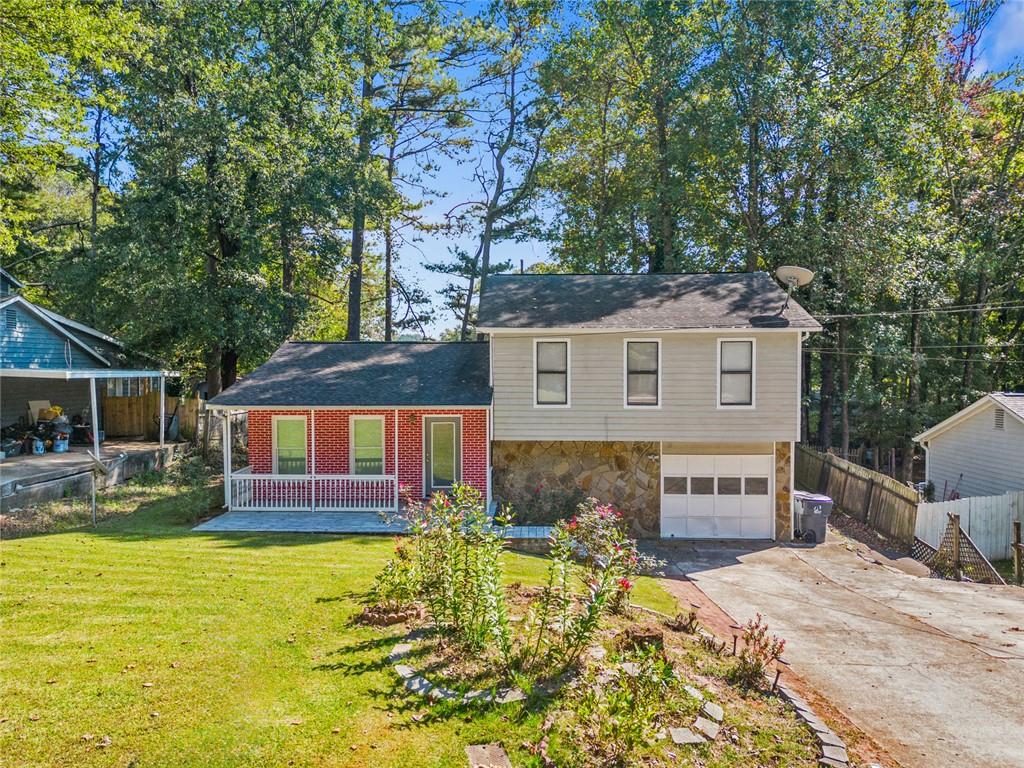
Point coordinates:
[[1002, 44]]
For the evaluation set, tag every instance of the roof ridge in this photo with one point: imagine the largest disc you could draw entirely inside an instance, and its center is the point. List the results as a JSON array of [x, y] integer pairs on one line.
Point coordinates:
[[627, 274], [373, 341]]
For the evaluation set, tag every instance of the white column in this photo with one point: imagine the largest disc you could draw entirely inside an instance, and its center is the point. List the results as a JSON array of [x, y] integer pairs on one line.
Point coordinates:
[[395, 491], [312, 454], [94, 410], [163, 411], [225, 439]]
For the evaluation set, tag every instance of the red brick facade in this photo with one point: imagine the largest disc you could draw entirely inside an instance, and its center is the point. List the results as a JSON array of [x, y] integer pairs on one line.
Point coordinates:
[[332, 451]]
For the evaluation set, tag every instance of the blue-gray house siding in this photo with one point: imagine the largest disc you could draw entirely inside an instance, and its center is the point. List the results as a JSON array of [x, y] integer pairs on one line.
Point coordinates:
[[27, 342]]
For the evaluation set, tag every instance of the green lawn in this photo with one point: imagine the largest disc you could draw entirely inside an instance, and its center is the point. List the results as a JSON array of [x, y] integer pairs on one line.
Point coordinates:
[[215, 650]]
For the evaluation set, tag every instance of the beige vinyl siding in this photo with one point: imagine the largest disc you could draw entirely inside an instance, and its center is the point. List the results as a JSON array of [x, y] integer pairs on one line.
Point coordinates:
[[991, 460], [688, 412]]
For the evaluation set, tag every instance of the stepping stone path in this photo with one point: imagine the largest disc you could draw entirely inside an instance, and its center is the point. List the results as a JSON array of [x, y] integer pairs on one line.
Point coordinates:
[[707, 727], [713, 711], [833, 749], [684, 736], [423, 687], [487, 756]]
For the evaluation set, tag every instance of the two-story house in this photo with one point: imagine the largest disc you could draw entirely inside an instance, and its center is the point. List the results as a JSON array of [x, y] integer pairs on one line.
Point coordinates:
[[674, 397]]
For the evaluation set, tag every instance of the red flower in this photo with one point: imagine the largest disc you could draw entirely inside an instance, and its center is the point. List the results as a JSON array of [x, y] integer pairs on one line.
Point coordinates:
[[625, 584]]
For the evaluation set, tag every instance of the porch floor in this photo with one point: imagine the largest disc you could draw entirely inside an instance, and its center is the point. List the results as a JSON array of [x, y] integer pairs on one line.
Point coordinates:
[[329, 522]]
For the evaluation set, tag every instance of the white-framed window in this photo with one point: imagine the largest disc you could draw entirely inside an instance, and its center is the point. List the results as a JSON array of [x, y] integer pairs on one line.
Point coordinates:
[[642, 373], [289, 438], [736, 380], [366, 435], [551, 373]]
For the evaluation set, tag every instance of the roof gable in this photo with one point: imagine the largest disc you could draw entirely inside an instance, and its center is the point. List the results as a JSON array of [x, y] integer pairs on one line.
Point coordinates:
[[1011, 402], [51, 325], [381, 374], [745, 300]]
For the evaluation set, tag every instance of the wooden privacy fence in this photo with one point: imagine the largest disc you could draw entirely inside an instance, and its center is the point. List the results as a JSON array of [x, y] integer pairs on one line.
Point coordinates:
[[988, 520], [139, 415], [874, 499]]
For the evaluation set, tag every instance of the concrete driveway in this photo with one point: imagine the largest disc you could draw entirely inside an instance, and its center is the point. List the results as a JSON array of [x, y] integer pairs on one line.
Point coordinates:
[[932, 670]]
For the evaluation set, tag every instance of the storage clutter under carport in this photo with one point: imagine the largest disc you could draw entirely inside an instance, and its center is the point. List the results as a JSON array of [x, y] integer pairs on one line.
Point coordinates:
[[46, 428], [812, 513]]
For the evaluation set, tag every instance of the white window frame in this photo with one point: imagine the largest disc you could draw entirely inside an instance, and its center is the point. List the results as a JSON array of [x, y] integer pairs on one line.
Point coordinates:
[[753, 375], [273, 438], [352, 443], [568, 372], [625, 374]]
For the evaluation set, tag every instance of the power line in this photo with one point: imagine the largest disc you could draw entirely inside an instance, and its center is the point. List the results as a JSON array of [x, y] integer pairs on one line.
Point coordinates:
[[951, 309], [907, 357]]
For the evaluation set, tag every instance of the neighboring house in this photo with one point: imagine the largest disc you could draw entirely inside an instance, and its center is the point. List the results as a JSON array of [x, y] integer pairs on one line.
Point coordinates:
[[978, 451], [46, 356], [674, 397]]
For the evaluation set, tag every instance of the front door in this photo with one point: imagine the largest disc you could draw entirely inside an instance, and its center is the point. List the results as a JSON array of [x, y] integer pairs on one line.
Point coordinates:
[[442, 453]]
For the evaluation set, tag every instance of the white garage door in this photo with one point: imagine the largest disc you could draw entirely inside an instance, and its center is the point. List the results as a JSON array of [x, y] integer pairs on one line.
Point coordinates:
[[716, 497]]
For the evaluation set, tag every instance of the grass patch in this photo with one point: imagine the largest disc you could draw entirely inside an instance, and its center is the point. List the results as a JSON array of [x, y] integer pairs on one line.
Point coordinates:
[[141, 643], [1005, 569]]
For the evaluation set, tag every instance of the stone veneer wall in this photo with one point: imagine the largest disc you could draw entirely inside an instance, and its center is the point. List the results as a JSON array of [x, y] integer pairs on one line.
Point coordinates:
[[624, 474], [783, 492]]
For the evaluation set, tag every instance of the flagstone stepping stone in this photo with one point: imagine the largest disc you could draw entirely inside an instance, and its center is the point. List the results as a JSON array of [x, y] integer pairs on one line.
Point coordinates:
[[830, 739], [509, 695], [487, 756], [707, 727], [404, 671], [713, 711], [835, 753], [685, 736], [418, 684], [477, 696], [694, 692], [400, 651]]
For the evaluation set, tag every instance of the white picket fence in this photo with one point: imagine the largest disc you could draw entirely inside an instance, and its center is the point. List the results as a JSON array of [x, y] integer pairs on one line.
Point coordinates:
[[988, 520]]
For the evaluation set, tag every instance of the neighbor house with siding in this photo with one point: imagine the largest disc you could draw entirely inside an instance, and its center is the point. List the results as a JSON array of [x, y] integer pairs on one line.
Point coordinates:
[[45, 356], [674, 397], [978, 451]]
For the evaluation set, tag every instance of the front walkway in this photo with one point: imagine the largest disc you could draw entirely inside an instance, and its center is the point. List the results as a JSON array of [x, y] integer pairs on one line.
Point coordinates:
[[930, 669], [331, 522]]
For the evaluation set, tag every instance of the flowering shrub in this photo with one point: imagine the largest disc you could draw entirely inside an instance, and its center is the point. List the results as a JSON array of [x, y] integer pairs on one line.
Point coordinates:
[[592, 546], [759, 650], [457, 551]]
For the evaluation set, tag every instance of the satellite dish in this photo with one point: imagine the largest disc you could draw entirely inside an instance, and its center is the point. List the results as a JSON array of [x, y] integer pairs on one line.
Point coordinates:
[[794, 277]]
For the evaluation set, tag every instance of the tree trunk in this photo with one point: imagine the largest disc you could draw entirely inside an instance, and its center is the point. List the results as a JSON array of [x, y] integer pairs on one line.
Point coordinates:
[[388, 279], [753, 213], [664, 258], [287, 269], [213, 371], [355, 275], [96, 170], [973, 328], [828, 384], [913, 391], [228, 368], [844, 389]]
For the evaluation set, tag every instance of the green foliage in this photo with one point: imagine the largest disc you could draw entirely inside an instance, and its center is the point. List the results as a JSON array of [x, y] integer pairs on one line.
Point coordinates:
[[397, 584], [458, 561], [760, 650], [614, 722]]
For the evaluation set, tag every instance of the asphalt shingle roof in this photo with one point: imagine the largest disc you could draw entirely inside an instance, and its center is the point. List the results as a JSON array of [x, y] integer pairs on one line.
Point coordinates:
[[659, 301], [368, 373], [1011, 401]]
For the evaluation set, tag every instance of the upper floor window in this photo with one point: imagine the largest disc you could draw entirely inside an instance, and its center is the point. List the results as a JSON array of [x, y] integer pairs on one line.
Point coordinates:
[[289, 445], [642, 374], [367, 445], [551, 378], [736, 372]]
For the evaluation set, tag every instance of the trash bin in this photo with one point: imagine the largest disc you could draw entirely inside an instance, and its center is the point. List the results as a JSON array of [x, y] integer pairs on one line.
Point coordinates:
[[813, 510]]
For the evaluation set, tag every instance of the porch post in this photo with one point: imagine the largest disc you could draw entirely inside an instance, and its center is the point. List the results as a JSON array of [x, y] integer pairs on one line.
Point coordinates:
[[396, 461], [225, 439], [94, 410], [163, 412], [312, 452]]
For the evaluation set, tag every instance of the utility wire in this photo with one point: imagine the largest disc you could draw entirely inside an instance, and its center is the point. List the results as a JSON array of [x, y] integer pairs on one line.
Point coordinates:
[[908, 356], [953, 309]]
